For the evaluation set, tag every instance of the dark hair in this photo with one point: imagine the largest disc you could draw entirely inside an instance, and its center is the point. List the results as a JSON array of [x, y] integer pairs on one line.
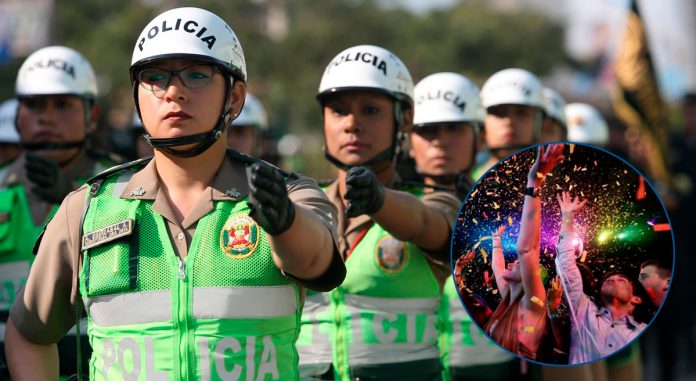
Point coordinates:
[[662, 270]]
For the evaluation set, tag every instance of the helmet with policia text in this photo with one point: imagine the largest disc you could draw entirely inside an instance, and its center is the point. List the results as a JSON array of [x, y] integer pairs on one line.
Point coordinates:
[[58, 70], [518, 87], [512, 86], [196, 34], [586, 124], [448, 98], [554, 105], [369, 67], [253, 114], [8, 116]]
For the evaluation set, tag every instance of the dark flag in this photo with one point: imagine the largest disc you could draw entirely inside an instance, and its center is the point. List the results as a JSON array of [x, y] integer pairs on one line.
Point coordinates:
[[636, 98]]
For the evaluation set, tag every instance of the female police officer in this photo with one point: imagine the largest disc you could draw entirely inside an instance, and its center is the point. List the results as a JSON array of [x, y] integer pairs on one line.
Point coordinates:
[[380, 323], [447, 119], [189, 268]]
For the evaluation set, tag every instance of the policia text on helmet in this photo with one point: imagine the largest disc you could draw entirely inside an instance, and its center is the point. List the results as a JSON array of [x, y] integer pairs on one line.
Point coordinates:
[[369, 68], [215, 50]]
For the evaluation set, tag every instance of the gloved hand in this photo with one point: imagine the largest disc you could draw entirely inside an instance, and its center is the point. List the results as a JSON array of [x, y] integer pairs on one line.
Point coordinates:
[[268, 199], [364, 192], [52, 183]]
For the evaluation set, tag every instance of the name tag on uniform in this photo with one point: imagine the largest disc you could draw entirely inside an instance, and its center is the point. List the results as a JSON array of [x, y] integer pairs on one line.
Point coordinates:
[[107, 234]]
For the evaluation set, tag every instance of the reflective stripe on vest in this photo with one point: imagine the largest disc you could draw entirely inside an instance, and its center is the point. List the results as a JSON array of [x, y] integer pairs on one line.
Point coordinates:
[[314, 342], [388, 330]]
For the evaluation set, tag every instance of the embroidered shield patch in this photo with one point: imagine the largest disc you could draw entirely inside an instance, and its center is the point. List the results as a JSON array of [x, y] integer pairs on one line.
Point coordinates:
[[239, 237], [390, 254]]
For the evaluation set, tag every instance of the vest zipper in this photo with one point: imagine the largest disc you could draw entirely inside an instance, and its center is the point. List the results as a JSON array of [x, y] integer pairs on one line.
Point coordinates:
[[182, 269], [184, 302]]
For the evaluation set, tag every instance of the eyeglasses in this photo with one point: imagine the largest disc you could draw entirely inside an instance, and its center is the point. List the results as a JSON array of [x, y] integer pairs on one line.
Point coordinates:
[[193, 77]]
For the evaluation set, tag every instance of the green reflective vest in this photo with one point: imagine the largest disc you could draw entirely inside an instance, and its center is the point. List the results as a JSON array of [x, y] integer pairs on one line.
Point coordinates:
[[384, 312], [224, 313], [17, 236]]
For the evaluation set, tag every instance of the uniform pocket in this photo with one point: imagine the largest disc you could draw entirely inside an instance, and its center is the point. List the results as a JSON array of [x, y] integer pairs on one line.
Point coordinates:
[[111, 248]]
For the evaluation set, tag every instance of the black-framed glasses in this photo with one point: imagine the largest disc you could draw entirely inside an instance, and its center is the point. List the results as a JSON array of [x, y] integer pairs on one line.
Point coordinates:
[[193, 77]]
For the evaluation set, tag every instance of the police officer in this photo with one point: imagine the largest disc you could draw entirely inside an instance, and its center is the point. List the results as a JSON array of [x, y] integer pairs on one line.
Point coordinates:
[[555, 127], [56, 89], [380, 324], [189, 266], [447, 119], [9, 138], [515, 111], [246, 131]]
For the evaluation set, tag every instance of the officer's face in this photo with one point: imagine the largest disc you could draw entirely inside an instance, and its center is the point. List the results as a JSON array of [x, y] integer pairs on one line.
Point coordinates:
[[358, 125], [509, 125], [178, 110], [443, 148], [242, 138], [52, 119]]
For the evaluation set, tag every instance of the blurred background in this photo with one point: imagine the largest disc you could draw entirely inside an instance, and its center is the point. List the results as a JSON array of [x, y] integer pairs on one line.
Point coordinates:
[[578, 47]]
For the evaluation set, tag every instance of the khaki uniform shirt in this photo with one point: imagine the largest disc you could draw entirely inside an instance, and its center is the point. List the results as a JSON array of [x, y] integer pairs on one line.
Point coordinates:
[[348, 231], [45, 309]]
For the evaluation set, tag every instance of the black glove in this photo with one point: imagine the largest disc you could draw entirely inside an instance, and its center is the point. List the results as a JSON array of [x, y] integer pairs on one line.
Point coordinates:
[[268, 198], [52, 183], [364, 192]]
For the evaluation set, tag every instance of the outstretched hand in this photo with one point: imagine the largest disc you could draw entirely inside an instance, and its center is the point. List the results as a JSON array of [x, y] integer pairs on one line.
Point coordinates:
[[568, 204], [51, 183], [547, 158], [364, 192], [268, 198]]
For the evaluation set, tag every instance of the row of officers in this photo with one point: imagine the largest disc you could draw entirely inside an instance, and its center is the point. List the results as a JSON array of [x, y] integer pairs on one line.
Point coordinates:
[[206, 263]]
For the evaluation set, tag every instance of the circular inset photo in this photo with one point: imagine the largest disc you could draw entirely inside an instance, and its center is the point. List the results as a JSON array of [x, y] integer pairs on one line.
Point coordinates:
[[562, 254]]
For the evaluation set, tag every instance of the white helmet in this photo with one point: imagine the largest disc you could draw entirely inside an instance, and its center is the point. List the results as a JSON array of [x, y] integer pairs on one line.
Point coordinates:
[[368, 67], [554, 105], [586, 124], [512, 86], [190, 33], [253, 114], [446, 97], [8, 114], [56, 70]]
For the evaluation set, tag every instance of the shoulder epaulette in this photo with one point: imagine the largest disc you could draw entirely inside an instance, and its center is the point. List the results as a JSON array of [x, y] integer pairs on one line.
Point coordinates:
[[119, 168]]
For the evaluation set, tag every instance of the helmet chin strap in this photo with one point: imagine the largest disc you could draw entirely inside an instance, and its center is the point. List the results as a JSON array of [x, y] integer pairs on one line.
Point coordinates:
[[203, 140], [52, 146]]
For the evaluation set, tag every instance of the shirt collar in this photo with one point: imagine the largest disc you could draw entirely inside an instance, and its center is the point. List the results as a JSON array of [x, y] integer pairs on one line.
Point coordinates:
[[229, 183]]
